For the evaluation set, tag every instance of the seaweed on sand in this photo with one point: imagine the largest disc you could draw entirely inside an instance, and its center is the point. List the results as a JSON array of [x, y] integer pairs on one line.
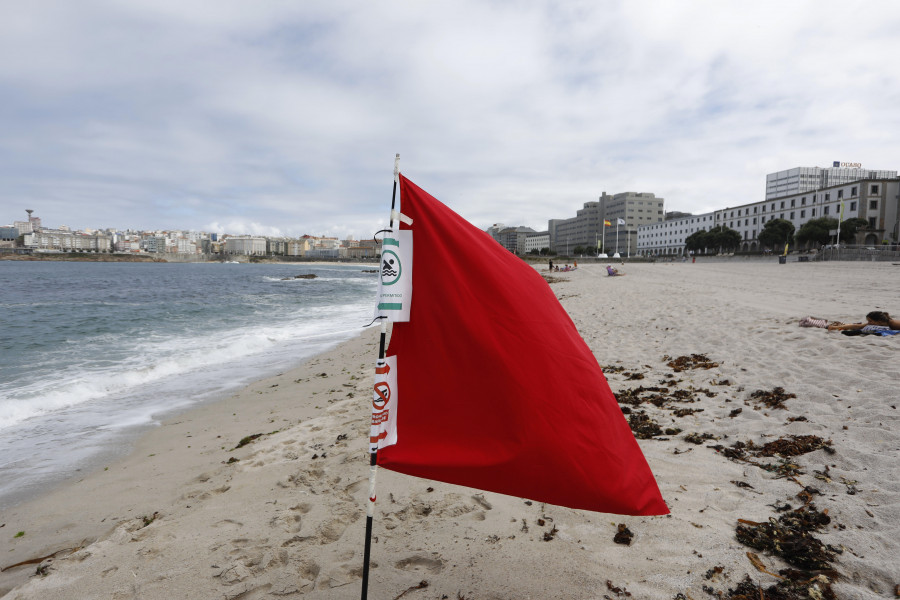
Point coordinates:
[[790, 537], [694, 361], [815, 588], [773, 399], [643, 426]]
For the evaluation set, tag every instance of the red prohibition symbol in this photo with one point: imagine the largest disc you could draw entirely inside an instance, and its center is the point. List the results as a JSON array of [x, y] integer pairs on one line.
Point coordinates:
[[382, 395]]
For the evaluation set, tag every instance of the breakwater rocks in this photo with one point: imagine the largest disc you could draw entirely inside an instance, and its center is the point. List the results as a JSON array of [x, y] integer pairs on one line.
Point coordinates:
[[309, 276]]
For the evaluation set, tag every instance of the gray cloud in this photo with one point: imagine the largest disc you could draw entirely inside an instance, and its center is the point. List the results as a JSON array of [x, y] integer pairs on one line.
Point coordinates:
[[283, 117]]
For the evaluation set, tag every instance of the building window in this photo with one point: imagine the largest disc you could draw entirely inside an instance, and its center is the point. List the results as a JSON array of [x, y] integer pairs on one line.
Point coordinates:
[[792, 215], [732, 213], [803, 201], [827, 196], [840, 194], [754, 210], [802, 214], [873, 222], [874, 189], [762, 220], [853, 205], [825, 211], [746, 222], [763, 208], [773, 206], [781, 216], [754, 220], [873, 204], [853, 192], [793, 202], [782, 204], [813, 212]]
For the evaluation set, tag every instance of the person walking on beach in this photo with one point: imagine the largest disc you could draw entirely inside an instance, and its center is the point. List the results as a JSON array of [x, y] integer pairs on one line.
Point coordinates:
[[551, 264]]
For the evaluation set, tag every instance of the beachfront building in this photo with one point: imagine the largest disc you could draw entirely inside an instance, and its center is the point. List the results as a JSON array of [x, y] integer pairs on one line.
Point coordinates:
[[322, 252], [369, 249], [875, 200], [668, 238], [245, 245], [539, 240], [585, 229], [810, 179], [514, 239], [278, 246], [66, 241], [625, 212], [153, 243], [300, 247], [8, 236]]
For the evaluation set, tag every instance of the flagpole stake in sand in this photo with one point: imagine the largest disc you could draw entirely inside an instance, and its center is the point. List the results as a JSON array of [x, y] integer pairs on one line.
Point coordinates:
[[382, 393]]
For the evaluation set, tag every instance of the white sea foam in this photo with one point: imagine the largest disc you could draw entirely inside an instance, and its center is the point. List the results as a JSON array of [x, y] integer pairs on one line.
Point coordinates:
[[164, 359], [154, 339]]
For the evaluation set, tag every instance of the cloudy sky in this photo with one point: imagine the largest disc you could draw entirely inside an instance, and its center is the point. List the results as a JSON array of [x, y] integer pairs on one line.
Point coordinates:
[[283, 117]]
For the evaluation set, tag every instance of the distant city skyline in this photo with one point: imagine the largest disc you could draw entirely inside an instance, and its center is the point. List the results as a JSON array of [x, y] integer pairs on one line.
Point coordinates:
[[283, 119]]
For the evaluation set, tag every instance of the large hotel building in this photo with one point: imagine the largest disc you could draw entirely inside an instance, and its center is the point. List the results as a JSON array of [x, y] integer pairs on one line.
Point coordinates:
[[797, 195]]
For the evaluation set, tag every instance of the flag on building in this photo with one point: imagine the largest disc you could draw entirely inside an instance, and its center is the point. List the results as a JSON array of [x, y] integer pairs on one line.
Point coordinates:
[[490, 384], [621, 221], [607, 223]]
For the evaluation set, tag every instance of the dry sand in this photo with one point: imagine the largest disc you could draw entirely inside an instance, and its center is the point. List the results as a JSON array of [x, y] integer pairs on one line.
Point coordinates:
[[178, 520]]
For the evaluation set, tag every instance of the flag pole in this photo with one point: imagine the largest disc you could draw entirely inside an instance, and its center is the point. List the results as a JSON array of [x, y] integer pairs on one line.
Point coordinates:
[[617, 237], [373, 455]]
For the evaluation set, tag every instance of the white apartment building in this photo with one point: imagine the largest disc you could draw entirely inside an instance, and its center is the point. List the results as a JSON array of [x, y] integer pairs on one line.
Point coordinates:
[[66, 241], [186, 246], [246, 245], [537, 241], [667, 238], [809, 179]]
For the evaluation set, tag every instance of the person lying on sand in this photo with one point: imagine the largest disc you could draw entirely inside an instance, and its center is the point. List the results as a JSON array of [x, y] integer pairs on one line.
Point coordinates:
[[612, 271], [876, 321]]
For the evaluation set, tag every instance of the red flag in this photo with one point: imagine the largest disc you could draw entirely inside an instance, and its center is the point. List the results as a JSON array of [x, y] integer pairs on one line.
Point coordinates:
[[496, 390]]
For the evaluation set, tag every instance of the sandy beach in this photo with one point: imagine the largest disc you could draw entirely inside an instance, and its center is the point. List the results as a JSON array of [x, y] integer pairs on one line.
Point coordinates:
[[753, 426]]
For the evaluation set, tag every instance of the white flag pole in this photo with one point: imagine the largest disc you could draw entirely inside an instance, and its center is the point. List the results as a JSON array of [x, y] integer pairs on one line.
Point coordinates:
[[840, 220], [373, 455]]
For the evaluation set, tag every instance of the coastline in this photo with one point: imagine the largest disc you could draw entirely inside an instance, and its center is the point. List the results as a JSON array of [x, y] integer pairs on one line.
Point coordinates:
[[175, 519], [177, 258], [87, 507]]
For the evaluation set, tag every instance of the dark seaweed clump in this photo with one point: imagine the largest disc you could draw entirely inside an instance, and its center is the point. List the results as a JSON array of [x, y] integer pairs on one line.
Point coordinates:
[[694, 361], [773, 399], [801, 588], [790, 537]]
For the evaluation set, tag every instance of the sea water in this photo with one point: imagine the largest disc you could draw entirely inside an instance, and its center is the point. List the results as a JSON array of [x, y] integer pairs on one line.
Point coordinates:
[[93, 353]]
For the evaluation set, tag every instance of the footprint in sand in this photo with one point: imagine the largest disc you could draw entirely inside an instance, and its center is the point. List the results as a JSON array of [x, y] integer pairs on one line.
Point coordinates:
[[420, 563]]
